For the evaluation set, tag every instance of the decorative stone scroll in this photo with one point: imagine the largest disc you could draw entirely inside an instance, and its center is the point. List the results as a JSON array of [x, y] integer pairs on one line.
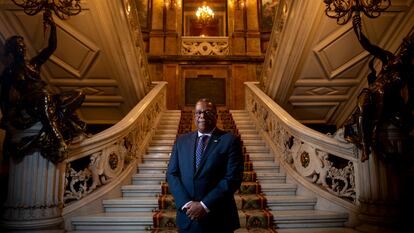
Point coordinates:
[[86, 173], [204, 46], [332, 173]]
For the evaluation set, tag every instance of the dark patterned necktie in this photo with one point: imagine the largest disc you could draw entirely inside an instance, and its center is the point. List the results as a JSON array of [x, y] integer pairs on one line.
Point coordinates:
[[200, 148]]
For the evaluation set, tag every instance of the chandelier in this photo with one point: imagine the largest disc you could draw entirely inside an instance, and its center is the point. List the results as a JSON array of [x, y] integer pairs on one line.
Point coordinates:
[[205, 14], [61, 8], [342, 10]]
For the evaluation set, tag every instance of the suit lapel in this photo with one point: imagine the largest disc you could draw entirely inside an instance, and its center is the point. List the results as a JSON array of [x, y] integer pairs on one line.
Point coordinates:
[[212, 144], [190, 143]]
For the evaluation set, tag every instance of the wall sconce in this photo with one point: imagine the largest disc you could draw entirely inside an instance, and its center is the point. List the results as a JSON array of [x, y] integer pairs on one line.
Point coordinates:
[[170, 4], [342, 10], [61, 8]]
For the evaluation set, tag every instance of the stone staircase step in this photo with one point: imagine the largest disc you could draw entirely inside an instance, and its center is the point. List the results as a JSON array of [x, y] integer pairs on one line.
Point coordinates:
[[254, 142], [248, 131], [141, 190], [154, 157], [153, 167], [254, 156], [308, 218], [264, 166], [273, 177], [276, 189], [165, 131], [131, 221], [162, 142], [281, 203], [159, 149], [128, 204], [164, 136], [257, 149], [148, 178]]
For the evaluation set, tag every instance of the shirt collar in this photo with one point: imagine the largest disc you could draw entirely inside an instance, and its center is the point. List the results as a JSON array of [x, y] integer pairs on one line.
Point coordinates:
[[208, 134]]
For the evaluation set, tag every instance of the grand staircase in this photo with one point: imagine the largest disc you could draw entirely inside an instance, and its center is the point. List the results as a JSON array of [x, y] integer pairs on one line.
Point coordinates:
[[264, 199], [134, 211], [288, 209]]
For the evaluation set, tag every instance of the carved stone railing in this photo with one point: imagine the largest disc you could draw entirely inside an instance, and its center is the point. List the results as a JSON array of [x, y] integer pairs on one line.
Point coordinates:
[[204, 46], [99, 161], [325, 165]]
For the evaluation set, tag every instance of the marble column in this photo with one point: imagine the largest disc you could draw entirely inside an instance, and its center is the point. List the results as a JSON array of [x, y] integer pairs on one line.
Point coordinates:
[[32, 203]]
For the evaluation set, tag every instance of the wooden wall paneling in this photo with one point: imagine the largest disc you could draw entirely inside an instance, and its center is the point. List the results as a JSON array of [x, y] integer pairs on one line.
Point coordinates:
[[171, 76]]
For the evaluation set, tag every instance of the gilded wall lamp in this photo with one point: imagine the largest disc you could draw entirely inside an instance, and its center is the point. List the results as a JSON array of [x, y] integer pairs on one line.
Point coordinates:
[[61, 8]]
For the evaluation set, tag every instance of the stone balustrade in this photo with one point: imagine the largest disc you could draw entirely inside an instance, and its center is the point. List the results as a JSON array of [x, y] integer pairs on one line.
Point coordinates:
[[325, 164]]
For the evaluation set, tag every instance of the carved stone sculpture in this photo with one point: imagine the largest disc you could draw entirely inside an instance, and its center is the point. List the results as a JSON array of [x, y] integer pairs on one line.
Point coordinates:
[[34, 118], [384, 117]]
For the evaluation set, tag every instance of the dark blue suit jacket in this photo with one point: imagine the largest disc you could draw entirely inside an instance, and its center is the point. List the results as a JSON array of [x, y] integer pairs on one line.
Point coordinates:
[[214, 183]]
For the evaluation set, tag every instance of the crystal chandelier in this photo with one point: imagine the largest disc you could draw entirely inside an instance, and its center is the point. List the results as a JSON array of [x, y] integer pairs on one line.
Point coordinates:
[[342, 10], [205, 14], [61, 8]]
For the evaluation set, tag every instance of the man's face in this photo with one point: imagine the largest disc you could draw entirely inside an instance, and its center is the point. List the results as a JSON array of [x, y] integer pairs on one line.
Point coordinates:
[[205, 117]]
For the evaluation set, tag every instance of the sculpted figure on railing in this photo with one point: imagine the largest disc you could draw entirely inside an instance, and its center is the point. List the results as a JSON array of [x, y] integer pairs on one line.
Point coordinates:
[[384, 117], [33, 117]]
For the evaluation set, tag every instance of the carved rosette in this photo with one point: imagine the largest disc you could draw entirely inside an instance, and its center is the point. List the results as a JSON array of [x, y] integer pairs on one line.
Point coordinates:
[[331, 173]]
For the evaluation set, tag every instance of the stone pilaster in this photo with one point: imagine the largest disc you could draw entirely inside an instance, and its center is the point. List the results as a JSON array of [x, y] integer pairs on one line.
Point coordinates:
[[253, 33], [238, 36], [157, 28]]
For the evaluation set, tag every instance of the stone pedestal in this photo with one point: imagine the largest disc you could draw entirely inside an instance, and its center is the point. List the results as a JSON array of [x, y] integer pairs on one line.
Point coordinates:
[[379, 199], [32, 203]]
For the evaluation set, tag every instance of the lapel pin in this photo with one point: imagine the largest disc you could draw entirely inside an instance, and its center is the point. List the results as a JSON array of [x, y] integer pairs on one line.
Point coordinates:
[[215, 140]]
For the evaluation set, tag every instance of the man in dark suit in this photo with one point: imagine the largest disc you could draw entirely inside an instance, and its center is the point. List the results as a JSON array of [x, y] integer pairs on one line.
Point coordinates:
[[204, 172]]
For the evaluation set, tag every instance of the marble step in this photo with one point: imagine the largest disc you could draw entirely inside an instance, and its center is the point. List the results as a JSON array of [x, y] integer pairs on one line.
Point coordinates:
[[148, 178], [141, 190], [282, 189], [254, 142], [131, 204], [165, 131], [248, 131], [255, 156], [243, 215], [123, 221], [246, 126], [170, 126], [264, 166], [156, 157], [271, 177], [159, 142], [290, 202], [257, 149], [164, 136], [308, 219], [159, 149], [153, 167]]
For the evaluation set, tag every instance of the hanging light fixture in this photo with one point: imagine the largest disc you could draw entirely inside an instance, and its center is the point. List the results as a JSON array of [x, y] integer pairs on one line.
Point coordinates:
[[205, 14], [343, 10], [61, 8]]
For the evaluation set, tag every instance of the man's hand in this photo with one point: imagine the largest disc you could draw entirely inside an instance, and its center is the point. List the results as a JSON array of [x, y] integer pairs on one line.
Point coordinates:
[[195, 210]]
